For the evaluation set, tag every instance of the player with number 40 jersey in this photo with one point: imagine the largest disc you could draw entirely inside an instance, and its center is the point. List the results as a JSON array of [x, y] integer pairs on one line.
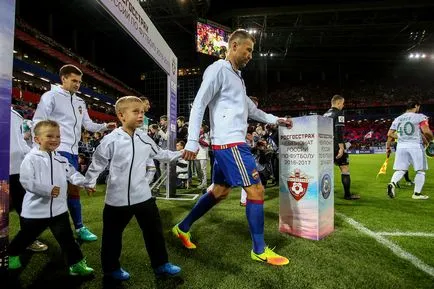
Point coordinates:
[[413, 131]]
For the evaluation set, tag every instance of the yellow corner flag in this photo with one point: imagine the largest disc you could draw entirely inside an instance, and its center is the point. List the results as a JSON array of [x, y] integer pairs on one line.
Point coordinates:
[[383, 168]]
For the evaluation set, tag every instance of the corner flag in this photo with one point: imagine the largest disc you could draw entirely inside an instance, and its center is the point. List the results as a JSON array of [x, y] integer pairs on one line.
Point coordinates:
[[383, 168]]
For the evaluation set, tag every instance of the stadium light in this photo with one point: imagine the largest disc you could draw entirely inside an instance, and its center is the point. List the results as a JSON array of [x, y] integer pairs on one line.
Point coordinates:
[[411, 55], [423, 55], [417, 55], [28, 73]]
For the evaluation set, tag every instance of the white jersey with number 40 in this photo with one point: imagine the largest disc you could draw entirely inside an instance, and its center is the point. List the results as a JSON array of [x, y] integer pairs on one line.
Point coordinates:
[[407, 127]]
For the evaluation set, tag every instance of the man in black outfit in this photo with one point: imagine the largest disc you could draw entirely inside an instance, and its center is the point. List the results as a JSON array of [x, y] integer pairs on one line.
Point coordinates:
[[340, 156]]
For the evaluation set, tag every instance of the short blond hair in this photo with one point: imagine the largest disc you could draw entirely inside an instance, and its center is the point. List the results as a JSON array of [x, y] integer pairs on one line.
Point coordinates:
[[124, 101], [44, 123], [336, 98]]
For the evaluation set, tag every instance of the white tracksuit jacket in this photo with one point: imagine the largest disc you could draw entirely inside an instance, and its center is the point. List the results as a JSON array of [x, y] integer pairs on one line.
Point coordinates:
[[126, 157], [40, 172], [71, 114], [223, 91]]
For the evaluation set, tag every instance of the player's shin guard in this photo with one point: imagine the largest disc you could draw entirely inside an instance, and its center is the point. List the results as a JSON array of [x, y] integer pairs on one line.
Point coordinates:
[[397, 176], [419, 181], [346, 182], [205, 203], [255, 218]]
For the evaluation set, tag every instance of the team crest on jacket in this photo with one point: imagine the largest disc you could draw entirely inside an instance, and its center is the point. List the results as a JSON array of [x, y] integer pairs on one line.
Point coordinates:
[[80, 110], [297, 184], [255, 174]]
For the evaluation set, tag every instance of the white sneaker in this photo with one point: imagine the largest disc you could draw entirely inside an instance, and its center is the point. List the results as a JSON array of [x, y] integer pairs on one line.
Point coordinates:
[[391, 190], [419, 197], [37, 246]]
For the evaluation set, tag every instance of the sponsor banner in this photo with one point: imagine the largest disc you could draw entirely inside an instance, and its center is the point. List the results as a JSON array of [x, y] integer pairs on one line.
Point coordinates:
[[7, 26], [362, 151], [172, 128], [306, 178]]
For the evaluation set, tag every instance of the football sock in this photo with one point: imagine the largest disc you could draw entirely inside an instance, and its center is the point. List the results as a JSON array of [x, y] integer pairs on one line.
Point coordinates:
[[419, 181], [397, 176], [205, 203], [74, 207], [255, 218], [346, 182]]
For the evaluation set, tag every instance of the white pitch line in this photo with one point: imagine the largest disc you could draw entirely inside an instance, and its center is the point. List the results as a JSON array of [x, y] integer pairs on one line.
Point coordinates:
[[406, 234], [392, 246]]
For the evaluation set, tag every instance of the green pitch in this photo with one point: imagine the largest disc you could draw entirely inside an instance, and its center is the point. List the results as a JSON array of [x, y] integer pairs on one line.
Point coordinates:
[[348, 258]]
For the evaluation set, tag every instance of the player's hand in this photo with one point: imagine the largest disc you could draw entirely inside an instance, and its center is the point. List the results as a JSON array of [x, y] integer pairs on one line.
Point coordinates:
[[111, 125], [55, 192], [90, 191], [388, 152], [340, 154], [285, 121], [189, 155]]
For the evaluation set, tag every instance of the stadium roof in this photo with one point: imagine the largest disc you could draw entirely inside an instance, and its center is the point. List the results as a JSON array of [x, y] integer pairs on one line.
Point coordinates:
[[311, 30]]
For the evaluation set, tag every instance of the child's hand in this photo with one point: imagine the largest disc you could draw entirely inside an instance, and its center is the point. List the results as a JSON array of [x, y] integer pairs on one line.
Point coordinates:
[[55, 192], [90, 191]]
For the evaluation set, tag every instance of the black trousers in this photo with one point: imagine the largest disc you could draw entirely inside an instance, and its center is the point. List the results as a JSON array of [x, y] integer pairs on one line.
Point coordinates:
[[17, 192], [115, 219], [61, 229]]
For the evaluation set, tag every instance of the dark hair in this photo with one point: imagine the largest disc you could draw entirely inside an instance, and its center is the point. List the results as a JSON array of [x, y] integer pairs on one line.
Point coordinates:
[[182, 143], [254, 99], [240, 34], [68, 69], [163, 117], [181, 118], [205, 128], [412, 102]]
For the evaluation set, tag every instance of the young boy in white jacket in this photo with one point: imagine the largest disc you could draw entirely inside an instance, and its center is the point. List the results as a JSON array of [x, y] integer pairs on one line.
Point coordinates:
[[126, 151], [44, 175]]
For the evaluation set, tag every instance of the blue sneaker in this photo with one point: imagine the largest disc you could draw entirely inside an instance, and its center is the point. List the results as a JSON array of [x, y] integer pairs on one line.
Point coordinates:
[[84, 234], [119, 274], [167, 269]]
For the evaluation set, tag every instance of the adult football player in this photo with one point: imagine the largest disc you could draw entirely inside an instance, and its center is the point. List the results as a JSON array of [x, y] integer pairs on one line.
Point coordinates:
[[411, 128]]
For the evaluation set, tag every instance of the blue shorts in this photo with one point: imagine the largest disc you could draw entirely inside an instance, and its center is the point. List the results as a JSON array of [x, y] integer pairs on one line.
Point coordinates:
[[72, 159], [235, 166]]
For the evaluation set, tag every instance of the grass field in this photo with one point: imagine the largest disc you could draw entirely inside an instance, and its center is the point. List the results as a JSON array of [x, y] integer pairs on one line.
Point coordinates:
[[350, 257]]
